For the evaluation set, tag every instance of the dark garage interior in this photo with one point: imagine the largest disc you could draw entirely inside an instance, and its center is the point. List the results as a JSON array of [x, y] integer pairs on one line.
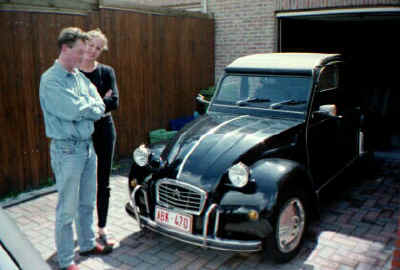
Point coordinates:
[[369, 43]]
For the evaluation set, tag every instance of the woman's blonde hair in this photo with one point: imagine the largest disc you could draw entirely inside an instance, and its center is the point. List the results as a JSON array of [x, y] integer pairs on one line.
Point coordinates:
[[96, 33]]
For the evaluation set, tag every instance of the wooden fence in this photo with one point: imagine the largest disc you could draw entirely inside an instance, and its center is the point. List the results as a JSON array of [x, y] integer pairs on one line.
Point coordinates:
[[161, 59]]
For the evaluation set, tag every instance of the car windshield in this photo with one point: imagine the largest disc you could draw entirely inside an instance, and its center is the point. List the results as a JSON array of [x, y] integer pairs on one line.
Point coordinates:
[[277, 92]]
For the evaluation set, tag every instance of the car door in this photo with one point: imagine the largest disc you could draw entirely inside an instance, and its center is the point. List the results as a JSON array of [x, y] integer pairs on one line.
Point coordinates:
[[331, 130]]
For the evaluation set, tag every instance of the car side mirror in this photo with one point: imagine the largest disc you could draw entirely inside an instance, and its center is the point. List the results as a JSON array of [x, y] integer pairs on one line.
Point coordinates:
[[200, 98], [201, 104], [327, 110]]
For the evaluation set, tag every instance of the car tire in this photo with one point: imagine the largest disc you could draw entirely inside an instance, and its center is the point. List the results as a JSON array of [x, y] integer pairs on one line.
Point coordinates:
[[291, 212]]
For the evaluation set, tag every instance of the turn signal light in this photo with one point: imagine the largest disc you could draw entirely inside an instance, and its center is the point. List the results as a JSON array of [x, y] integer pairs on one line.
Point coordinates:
[[253, 215], [133, 183]]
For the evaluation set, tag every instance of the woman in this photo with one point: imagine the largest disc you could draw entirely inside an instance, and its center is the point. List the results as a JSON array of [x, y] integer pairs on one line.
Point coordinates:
[[104, 136]]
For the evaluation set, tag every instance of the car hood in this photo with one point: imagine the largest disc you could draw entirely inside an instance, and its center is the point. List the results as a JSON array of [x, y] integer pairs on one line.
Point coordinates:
[[203, 151]]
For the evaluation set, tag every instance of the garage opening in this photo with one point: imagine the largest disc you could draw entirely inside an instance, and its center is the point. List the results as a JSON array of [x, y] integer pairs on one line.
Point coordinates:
[[368, 40]]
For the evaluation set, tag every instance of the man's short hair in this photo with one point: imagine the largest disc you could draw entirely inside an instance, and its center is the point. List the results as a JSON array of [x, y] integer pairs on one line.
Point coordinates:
[[70, 35]]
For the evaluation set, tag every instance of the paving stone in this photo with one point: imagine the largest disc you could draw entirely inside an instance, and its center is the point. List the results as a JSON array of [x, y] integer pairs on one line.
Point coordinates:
[[347, 229], [365, 266], [178, 265], [345, 267], [361, 230], [168, 256], [144, 266], [216, 262], [198, 263], [129, 259], [326, 252], [356, 231]]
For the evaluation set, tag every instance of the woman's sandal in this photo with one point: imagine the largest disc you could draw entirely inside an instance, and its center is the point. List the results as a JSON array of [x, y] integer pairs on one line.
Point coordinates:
[[107, 240]]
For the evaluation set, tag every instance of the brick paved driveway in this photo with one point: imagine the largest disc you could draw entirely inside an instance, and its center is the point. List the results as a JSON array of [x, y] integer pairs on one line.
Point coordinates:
[[357, 230]]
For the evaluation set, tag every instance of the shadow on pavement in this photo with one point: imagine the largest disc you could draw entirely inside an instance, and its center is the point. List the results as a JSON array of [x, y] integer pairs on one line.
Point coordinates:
[[357, 230]]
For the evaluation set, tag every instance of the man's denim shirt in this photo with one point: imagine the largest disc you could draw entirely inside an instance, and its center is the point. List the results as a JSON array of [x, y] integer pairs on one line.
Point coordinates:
[[70, 104]]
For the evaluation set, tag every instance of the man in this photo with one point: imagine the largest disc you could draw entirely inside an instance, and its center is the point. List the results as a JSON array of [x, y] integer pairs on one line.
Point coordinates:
[[70, 105]]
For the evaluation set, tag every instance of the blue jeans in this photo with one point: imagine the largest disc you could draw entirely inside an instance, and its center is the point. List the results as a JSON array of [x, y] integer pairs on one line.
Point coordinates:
[[74, 164]]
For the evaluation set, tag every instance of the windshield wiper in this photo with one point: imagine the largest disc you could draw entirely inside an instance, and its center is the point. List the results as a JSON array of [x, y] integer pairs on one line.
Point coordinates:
[[277, 105], [251, 100]]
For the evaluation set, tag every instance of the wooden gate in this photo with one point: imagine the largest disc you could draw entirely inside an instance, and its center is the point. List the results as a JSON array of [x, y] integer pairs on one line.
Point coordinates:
[[162, 59]]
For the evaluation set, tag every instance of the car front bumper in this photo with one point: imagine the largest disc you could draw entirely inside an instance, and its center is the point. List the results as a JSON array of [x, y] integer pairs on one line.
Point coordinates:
[[206, 240]]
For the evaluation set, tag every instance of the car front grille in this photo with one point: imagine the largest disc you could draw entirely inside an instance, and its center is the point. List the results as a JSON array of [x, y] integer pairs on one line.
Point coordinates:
[[179, 195]]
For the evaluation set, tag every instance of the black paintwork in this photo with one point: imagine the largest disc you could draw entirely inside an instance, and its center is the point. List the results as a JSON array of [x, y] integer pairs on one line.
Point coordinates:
[[215, 142], [283, 149]]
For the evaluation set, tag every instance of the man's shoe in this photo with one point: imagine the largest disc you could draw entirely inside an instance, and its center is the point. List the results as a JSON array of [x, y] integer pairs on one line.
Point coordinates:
[[97, 250], [71, 267]]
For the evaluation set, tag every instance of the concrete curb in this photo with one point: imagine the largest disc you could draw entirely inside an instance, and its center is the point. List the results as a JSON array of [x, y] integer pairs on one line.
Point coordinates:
[[23, 197], [124, 166]]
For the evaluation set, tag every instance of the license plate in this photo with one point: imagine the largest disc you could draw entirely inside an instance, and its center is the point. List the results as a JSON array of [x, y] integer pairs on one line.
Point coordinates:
[[173, 219]]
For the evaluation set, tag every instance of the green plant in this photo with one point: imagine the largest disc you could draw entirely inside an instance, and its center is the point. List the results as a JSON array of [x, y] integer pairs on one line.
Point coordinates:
[[47, 183], [119, 165], [13, 194], [208, 92], [9, 195], [115, 166]]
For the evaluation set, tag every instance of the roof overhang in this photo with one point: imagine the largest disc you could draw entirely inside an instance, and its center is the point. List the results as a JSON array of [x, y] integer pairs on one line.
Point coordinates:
[[281, 63], [344, 14]]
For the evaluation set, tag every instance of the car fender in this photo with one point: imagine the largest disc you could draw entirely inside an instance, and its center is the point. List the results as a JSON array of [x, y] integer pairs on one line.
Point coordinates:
[[140, 173], [137, 175], [269, 177], [274, 175]]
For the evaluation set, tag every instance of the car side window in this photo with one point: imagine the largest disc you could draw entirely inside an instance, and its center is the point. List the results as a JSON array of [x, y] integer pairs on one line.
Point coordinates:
[[329, 78], [328, 87]]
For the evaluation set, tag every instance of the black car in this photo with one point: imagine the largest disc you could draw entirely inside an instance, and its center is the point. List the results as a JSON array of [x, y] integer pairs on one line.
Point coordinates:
[[247, 175], [16, 252]]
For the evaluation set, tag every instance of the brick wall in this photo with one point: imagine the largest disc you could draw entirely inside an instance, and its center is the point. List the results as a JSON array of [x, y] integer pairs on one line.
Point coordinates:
[[249, 26], [241, 28], [162, 3], [317, 4]]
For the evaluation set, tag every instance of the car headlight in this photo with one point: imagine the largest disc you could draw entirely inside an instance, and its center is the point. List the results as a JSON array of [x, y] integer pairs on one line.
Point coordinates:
[[239, 175], [141, 155]]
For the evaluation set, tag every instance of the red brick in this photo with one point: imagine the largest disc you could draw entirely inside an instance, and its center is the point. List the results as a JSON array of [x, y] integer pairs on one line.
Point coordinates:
[[396, 255], [395, 263], [328, 235], [344, 260], [378, 238], [362, 258], [344, 219], [344, 240]]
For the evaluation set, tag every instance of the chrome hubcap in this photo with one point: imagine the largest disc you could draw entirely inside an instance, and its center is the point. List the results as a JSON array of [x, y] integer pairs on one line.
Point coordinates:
[[290, 225]]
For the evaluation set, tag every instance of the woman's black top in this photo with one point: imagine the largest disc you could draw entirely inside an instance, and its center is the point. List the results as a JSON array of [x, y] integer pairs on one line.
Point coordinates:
[[103, 77]]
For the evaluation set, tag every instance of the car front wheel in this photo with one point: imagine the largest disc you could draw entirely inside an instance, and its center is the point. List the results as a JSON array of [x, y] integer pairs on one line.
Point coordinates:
[[290, 222]]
